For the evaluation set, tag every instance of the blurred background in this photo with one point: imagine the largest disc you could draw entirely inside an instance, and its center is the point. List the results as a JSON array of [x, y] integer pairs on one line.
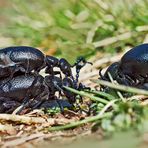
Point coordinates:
[[73, 28], [70, 28]]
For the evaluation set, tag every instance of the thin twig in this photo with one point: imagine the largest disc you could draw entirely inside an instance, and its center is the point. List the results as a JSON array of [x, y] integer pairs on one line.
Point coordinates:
[[118, 92], [7, 128]]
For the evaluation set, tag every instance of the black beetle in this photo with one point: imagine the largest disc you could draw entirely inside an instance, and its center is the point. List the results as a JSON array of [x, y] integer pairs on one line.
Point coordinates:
[[21, 58], [32, 91], [27, 59], [22, 90], [56, 84], [21, 85], [132, 69]]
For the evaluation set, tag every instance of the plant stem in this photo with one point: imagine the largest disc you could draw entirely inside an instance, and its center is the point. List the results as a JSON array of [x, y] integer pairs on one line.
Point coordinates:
[[82, 93], [118, 92], [121, 87], [103, 94], [78, 123]]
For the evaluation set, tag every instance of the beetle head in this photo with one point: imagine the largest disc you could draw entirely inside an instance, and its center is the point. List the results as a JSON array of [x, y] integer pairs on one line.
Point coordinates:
[[113, 70]]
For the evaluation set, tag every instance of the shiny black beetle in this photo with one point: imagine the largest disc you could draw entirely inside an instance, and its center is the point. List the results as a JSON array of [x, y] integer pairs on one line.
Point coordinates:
[[21, 84], [132, 69], [28, 59], [22, 90], [33, 91], [20, 58]]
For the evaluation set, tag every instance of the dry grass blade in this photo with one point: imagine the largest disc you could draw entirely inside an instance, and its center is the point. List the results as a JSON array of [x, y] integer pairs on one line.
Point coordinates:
[[9, 129], [32, 120], [137, 97], [22, 119], [112, 40], [111, 103], [22, 140]]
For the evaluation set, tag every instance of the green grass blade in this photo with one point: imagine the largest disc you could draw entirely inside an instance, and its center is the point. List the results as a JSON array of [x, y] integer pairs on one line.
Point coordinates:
[[82, 93], [78, 123], [121, 87]]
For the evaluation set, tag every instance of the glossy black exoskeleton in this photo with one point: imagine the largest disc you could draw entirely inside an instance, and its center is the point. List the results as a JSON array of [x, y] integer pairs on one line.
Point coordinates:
[[27, 90], [20, 82], [56, 84], [62, 63], [34, 92], [20, 58], [132, 69], [28, 59]]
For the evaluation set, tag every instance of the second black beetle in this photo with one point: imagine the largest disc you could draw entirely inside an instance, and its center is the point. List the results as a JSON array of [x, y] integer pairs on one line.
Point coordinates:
[[21, 90], [132, 70], [31, 90]]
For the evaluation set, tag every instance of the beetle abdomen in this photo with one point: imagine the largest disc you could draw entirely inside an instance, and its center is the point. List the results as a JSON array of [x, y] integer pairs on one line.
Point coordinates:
[[28, 58], [21, 86], [138, 53], [135, 61]]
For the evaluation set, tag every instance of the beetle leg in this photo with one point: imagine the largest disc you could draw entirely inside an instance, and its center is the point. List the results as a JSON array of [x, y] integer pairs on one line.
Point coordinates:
[[60, 105], [11, 106], [49, 70], [37, 70], [40, 99], [24, 104], [80, 63], [144, 86], [82, 87], [59, 89], [140, 79], [37, 101], [123, 79]]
